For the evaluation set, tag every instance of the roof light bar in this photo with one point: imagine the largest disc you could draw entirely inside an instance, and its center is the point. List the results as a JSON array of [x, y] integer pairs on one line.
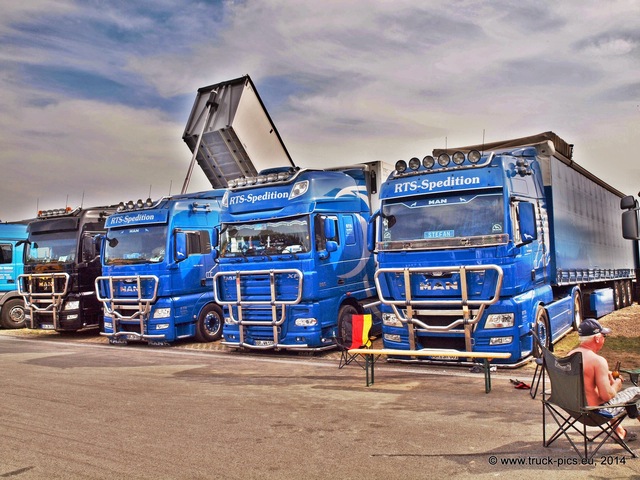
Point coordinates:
[[443, 161]]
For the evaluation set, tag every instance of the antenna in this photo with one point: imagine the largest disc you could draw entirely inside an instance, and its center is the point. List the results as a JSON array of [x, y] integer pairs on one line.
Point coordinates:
[[149, 191], [445, 144], [67, 202], [82, 201], [482, 142], [170, 184]]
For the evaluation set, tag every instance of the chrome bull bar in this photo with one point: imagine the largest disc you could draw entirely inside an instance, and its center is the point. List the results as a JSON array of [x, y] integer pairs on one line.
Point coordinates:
[[44, 302], [471, 309], [273, 302], [135, 307]]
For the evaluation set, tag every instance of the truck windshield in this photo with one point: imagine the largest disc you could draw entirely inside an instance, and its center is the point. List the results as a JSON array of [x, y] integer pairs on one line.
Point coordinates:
[[442, 221], [51, 248], [136, 245], [265, 238]]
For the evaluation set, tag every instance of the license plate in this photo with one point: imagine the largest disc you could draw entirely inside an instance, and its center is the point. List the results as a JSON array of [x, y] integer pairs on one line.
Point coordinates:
[[47, 326], [264, 343], [445, 358], [132, 337]]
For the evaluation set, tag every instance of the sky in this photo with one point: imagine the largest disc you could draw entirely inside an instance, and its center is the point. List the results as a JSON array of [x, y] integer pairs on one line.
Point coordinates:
[[95, 94]]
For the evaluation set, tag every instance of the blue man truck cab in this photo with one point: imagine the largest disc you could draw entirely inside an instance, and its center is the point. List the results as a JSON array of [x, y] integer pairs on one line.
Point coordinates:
[[61, 263], [12, 309], [157, 266], [293, 258], [476, 249]]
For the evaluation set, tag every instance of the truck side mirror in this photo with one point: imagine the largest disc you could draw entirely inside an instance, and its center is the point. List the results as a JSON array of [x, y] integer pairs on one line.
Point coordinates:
[[215, 240], [627, 202], [331, 246], [527, 223], [372, 231], [630, 225], [329, 228], [181, 246], [88, 248]]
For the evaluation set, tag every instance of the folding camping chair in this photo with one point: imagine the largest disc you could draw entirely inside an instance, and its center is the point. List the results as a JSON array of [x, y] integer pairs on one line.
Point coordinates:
[[538, 374], [353, 332], [566, 404]]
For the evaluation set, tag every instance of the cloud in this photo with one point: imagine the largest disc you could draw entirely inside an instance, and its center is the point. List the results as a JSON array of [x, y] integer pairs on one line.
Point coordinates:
[[99, 92]]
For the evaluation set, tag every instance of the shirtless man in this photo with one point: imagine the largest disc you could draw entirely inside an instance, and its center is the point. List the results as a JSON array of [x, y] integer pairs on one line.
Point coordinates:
[[599, 385]]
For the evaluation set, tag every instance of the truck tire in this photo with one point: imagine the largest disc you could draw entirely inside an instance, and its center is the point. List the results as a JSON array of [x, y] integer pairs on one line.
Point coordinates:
[[209, 324], [617, 296], [577, 309], [542, 330], [13, 313], [344, 319], [629, 289]]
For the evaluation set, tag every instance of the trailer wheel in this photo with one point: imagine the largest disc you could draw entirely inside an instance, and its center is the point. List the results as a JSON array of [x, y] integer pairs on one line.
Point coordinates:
[[13, 314], [209, 324], [577, 309], [344, 320], [542, 330], [629, 288], [617, 296]]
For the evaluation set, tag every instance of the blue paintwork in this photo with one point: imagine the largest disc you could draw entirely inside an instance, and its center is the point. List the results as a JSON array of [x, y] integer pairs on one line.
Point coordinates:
[[535, 273], [330, 279], [184, 287]]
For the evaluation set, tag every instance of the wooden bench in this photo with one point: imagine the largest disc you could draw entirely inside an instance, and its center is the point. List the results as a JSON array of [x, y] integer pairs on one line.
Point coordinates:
[[370, 353]]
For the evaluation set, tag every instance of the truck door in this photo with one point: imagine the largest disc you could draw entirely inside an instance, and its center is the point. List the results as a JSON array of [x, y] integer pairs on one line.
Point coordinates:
[[7, 267]]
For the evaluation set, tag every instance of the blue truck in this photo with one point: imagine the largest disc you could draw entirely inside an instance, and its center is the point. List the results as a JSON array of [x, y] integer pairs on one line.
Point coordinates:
[[157, 266], [157, 260], [293, 257], [12, 309], [479, 245], [61, 263]]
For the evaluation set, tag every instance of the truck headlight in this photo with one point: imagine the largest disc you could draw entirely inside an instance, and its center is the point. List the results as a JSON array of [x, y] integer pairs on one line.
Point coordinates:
[[306, 322], [390, 320], [500, 320], [162, 313], [162, 326], [500, 340], [392, 337], [72, 305], [108, 325]]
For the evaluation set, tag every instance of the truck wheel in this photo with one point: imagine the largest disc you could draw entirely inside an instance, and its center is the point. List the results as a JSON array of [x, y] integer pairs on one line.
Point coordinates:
[[209, 324], [617, 296], [577, 309], [629, 289], [13, 314], [542, 330], [344, 320]]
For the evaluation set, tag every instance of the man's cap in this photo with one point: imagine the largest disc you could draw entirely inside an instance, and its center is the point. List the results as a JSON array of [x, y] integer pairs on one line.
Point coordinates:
[[590, 326]]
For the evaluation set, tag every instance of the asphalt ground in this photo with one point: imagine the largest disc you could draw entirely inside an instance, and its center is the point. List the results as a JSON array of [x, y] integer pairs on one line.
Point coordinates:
[[72, 406]]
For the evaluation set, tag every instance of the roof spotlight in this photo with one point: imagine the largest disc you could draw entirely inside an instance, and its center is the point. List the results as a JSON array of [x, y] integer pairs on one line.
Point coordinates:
[[401, 166], [139, 203], [130, 205], [428, 161], [414, 163], [444, 159], [474, 156], [458, 158]]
